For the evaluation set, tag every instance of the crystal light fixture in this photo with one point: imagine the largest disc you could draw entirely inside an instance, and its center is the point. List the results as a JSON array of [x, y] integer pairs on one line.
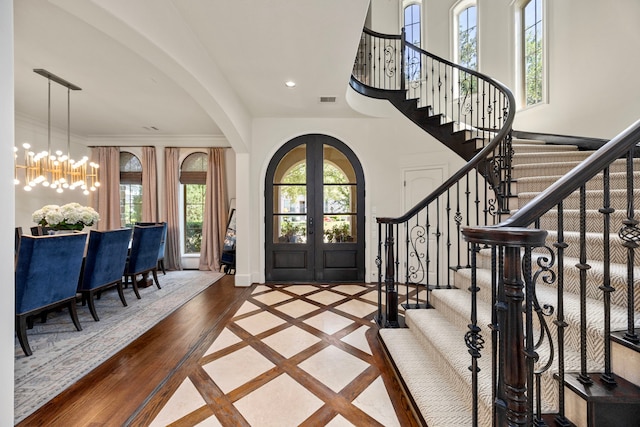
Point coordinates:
[[58, 170]]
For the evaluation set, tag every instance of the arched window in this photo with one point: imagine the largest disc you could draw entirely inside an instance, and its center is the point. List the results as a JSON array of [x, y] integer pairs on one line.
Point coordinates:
[[412, 24], [467, 37], [193, 177], [130, 189], [532, 51]]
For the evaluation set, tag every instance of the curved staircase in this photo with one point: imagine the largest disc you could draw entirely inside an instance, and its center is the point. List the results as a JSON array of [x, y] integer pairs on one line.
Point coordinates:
[[517, 328]]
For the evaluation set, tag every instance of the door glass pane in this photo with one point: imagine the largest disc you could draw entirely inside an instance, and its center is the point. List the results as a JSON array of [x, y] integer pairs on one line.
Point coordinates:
[[290, 229], [290, 197], [339, 197], [340, 228]]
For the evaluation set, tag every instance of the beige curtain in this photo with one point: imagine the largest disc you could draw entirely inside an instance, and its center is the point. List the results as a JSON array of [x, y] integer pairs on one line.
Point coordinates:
[[107, 200], [172, 186], [216, 210], [149, 185]]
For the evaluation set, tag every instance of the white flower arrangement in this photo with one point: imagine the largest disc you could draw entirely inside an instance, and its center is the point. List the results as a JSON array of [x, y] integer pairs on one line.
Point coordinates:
[[72, 216]]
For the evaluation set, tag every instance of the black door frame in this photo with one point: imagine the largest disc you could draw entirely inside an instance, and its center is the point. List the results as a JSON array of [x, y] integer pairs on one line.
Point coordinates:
[[315, 261]]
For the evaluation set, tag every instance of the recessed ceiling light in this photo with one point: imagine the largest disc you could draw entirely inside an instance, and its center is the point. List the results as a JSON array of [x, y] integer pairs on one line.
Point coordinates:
[[290, 83]]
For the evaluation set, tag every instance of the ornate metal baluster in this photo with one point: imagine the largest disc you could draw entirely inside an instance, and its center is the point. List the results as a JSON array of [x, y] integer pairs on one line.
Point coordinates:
[[560, 323], [606, 211], [379, 265], [583, 267], [529, 350], [458, 219], [406, 262], [473, 338], [448, 209], [630, 234], [467, 193], [428, 263]]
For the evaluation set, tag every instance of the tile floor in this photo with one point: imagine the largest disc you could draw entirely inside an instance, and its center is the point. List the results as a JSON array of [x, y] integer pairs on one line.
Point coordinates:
[[292, 355]]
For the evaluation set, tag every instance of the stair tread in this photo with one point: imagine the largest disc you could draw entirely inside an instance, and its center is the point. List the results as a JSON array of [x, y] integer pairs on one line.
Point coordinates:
[[436, 398]]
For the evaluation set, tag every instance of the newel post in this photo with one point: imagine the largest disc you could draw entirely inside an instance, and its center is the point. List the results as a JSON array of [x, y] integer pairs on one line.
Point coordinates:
[[390, 281], [513, 406]]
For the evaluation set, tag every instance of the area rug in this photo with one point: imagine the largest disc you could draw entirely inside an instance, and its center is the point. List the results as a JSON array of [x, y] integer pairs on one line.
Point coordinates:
[[62, 355]]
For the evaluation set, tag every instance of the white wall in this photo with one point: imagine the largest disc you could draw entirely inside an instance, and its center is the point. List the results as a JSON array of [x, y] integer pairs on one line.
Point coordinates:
[[7, 305]]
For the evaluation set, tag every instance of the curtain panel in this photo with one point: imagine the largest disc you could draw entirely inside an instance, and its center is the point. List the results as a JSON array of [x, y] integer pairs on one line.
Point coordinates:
[[216, 211], [149, 185], [107, 200], [172, 187]]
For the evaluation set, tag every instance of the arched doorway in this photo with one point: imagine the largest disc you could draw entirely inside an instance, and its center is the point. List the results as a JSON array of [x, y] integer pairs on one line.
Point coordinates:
[[314, 207]]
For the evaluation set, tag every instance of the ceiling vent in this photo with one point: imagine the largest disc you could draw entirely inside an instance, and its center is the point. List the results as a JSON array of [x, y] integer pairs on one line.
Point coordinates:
[[327, 99]]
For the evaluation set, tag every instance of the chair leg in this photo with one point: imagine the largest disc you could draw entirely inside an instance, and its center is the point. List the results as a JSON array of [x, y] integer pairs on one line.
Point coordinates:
[[74, 314], [21, 332], [134, 282], [121, 293], [161, 266], [155, 277], [92, 306]]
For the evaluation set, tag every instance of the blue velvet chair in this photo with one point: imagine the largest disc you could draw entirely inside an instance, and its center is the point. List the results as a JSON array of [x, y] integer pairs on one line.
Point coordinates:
[[162, 242], [46, 278], [143, 256], [103, 266]]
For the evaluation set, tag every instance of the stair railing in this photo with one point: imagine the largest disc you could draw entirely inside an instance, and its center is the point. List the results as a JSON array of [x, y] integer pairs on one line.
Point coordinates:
[[472, 114], [517, 357]]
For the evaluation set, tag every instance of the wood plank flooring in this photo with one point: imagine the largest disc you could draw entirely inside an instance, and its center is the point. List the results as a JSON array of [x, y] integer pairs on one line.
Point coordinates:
[[133, 386]]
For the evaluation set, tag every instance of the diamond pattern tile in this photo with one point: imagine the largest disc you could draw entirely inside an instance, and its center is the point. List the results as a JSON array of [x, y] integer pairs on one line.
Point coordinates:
[[291, 341], [237, 368], [328, 322], [333, 367], [281, 402], [259, 322]]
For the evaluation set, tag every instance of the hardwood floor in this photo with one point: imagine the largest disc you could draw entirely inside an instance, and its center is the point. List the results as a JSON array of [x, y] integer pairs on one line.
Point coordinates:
[[132, 387]]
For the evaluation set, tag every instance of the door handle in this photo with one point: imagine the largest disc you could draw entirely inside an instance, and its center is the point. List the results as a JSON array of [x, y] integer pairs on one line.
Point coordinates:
[[310, 231]]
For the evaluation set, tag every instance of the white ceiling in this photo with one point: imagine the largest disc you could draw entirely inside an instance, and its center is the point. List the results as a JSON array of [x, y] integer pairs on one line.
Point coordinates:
[[186, 67]]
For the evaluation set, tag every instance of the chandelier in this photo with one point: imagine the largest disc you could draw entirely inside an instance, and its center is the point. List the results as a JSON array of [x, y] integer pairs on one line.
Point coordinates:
[[56, 170]]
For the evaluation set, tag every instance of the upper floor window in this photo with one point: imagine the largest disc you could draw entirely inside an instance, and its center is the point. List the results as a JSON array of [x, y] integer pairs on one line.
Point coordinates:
[[468, 38], [130, 189], [532, 51], [412, 29], [193, 177]]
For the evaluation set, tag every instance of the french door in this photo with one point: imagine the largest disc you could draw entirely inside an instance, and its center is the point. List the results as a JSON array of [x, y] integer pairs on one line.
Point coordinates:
[[314, 212]]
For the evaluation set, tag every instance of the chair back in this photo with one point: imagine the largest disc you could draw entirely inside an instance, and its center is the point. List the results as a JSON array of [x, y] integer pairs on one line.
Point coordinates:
[[144, 249], [47, 269], [164, 236], [106, 258]]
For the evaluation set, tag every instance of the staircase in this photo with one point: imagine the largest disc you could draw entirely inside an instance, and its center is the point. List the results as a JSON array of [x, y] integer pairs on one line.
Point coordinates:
[[430, 355], [533, 315]]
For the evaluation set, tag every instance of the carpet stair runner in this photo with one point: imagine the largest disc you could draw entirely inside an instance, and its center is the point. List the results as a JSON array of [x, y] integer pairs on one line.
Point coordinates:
[[430, 355]]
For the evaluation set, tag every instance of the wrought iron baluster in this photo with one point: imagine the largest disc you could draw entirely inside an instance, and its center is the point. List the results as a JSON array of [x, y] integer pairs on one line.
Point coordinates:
[[583, 267], [467, 193], [458, 219], [448, 222], [406, 262], [473, 337], [530, 354], [560, 323], [630, 234], [606, 211], [379, 265]]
